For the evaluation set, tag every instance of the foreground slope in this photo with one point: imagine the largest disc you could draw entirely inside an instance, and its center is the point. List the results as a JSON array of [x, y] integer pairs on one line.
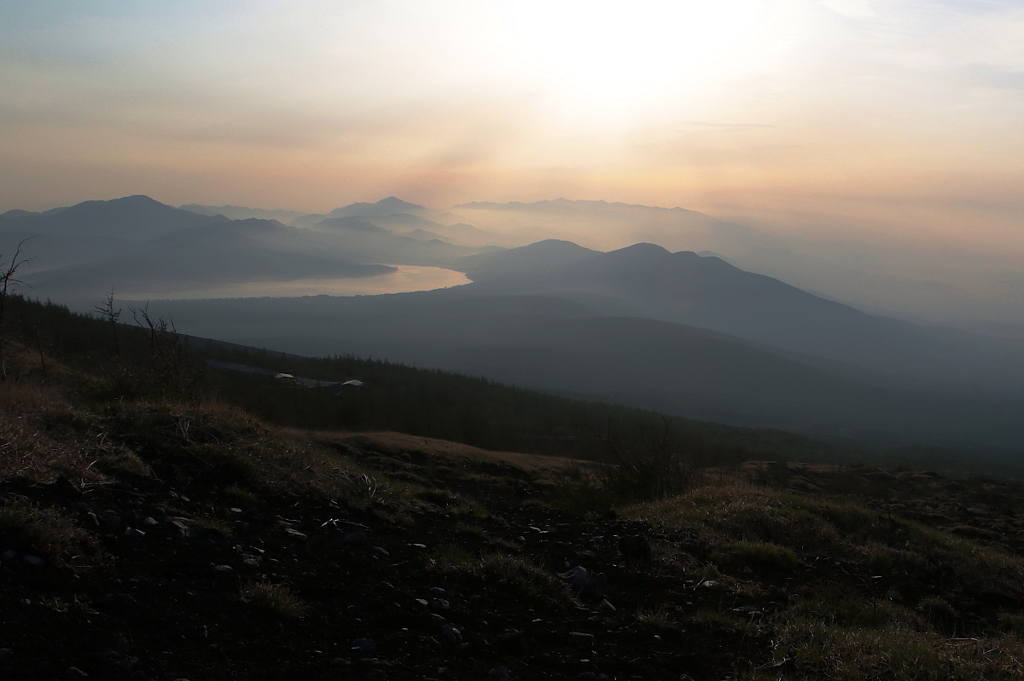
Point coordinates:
[[151, 529], [160, 540]]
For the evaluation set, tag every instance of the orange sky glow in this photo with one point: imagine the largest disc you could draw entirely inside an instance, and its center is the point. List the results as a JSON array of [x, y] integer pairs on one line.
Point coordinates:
[[895, 122]]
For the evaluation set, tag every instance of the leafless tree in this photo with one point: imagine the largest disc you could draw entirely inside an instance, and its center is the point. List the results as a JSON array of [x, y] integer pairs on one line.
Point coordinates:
[[8, 272], [108, 313]]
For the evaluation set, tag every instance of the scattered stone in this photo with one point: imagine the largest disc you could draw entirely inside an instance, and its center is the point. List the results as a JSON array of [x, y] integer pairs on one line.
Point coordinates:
[[585, 582], [605, 606], [223, 568], [357, 538], [292, 532], [439, 605], [713, 586], [34, 561], [150, 521], [364, 645], [437, 591], [581, 634], [381, 551], [74, 673], [133, 533], [6, 655], [9, 555], [453, 635], [499, 672]]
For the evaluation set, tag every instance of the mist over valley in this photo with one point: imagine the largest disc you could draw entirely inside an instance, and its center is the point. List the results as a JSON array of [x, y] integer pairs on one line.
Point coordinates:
[[688, 333]]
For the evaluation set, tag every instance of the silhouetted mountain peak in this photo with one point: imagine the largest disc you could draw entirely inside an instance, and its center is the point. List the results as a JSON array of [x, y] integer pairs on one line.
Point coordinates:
[[639, 251], [397, 205], [553, 246], [130, 217], [386, 206]]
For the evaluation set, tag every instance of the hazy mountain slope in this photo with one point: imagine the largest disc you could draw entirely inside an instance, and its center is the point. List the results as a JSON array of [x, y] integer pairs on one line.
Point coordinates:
[[386, 206], [516, 265], [709, 293], [93, 230], [137, 245], [243, 212], [560, 345], [603, 225], [135, 218], [190, 259]]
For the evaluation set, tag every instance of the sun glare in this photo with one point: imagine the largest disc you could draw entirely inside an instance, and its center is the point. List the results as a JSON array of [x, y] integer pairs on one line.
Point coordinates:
[[611, 60]]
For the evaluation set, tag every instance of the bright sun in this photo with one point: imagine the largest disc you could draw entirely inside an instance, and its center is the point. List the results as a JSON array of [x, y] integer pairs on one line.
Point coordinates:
[[612, 58]]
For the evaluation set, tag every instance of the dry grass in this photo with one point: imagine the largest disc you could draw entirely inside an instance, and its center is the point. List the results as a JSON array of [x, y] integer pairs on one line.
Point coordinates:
[[47, 533], [43, 436], [816, 650], [276, 599]]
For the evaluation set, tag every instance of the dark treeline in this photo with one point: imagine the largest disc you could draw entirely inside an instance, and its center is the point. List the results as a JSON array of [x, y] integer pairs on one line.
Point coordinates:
[[145, 357]]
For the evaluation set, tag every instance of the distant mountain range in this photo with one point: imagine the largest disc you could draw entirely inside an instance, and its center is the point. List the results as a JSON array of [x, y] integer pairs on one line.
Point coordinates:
[[641, 325], [135, 245]]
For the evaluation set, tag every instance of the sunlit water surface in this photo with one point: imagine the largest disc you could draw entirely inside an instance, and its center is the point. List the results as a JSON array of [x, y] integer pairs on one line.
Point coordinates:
[[407, 278]]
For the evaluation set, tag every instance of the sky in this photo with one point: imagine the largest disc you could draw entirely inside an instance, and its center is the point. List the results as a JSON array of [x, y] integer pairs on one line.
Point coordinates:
[[897, 122]]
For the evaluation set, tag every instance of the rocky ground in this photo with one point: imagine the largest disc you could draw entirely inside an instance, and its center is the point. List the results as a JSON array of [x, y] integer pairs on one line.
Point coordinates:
[[177, 559]]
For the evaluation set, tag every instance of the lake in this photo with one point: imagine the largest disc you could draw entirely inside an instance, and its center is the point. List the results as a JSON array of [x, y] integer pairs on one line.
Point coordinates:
[[407, 278]]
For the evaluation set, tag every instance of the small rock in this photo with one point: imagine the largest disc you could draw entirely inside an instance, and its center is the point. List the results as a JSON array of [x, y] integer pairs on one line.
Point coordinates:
[[381, 551], [34, 561], [439, 605], [605, 606], [364, 645], [355, 539], [6, 655], [74, 673], [292, 532], [713, 586], [437, 591], [9, 555], [581, 634], [150, 521], [499, 672], [585, 582], [223, 568], [453, 635], [132, 533]]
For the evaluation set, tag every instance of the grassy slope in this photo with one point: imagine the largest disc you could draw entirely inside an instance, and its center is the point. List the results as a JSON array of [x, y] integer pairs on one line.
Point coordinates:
[[184, 538]]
